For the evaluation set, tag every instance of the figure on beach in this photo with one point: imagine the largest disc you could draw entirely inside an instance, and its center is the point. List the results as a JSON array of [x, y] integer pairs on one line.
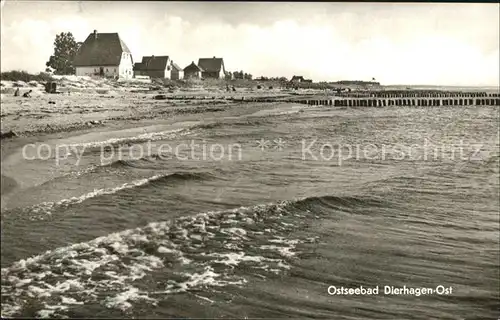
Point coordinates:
[[27, 94], [16, 94]]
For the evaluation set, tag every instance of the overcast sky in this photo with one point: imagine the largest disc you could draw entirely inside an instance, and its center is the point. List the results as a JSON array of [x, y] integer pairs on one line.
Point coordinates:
[[397, 43]]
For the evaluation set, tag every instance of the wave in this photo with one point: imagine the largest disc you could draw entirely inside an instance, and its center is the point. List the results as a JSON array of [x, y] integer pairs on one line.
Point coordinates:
[[114, 143], [109, 144], [156, 180], [211, 125], [152, 162], [228, 123], [183, 255], [142, 163], [337, 203]]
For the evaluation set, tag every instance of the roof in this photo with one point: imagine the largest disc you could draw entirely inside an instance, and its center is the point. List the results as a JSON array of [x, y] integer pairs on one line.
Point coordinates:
[[138, 66], [104, 50], [176, 66], [211, 64], [193, 67], [154, 63], [297, 78]]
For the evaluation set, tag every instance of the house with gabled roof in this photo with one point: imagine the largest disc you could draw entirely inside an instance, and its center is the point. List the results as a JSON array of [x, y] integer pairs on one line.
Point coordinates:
[[192, 71], [212, 68], [154, 67], [296, 79], [158, 67], [105, 55], [177, 72]]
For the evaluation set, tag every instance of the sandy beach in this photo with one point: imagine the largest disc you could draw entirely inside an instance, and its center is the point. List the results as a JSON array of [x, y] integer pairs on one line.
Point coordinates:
[[86, 105]]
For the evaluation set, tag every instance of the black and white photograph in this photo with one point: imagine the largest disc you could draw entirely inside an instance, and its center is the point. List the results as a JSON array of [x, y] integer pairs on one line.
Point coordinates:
[[250, 160]]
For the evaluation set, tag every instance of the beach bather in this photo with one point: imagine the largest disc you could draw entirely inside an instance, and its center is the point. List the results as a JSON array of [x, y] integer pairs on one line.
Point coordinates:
[[27, 94]]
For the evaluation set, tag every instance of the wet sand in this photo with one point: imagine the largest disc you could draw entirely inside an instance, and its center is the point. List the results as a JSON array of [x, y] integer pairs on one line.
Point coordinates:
[[36, 120]]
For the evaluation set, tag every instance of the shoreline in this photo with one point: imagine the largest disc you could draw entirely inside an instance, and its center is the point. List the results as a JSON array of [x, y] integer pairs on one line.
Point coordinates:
[[48, 116], [117, 113]]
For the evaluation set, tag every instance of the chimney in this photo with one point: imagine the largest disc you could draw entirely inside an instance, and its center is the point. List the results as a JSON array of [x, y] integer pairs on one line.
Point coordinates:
[[214, 57], [95, 34]]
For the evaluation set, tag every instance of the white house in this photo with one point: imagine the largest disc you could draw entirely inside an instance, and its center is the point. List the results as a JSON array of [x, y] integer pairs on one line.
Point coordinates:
[[105, 55], [177, 72]]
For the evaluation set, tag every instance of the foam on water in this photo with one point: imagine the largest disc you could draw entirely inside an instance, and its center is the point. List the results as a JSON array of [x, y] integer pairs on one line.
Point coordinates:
[[44, 209], [48, 207], [145, 137], [143, 265]]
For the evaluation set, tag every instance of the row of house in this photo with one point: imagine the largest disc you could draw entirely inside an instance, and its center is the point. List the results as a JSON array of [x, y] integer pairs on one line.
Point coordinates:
[[164, 67], [105, 54]]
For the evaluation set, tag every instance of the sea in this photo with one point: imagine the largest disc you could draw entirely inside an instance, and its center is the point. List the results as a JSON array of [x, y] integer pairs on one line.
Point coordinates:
[[288, 212]]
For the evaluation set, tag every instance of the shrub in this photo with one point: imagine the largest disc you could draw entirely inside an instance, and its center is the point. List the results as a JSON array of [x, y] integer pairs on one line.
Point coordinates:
[[25, 76]]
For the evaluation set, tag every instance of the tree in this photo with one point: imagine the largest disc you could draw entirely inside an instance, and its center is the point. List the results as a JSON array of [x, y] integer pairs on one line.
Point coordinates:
[[65, 49]]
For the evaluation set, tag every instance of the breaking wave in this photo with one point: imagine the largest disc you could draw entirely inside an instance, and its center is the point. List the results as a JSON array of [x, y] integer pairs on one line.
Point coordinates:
[[127, 141], [160, 179], [140, 266]]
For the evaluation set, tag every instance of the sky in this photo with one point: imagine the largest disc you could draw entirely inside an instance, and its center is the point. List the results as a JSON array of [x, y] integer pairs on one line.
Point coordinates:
[[454, 44]]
